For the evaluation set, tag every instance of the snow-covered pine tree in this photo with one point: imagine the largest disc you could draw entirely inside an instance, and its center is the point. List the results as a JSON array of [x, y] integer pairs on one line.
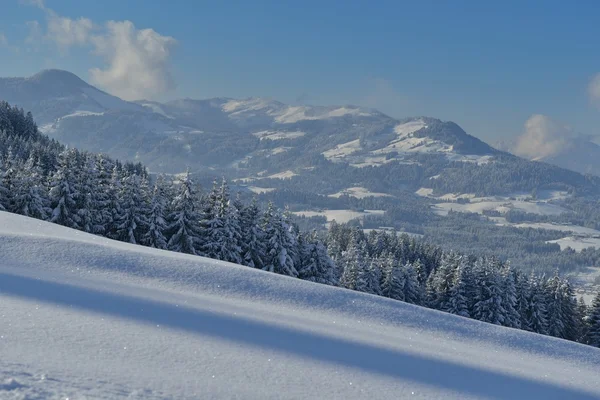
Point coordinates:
[[154, 236], [131, 220], [252, 243], [372, 277], [413, 292], [278, 241], [535, 313], [30, 196], [510, 299], [392, 280], [3, 189], [593, 322], [88, 208], [440, 281], [353, 263], [488, 303], [582, 318], [317, 265], [183, 228], [63, 193], [458, 302]]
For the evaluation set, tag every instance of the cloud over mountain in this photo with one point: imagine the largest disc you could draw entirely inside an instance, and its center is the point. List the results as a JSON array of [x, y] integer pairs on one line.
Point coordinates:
[[136, 61]]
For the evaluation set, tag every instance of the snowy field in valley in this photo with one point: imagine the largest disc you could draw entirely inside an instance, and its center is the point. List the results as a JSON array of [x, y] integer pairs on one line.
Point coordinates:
[[358, 192], [83, 317], [340, 216]]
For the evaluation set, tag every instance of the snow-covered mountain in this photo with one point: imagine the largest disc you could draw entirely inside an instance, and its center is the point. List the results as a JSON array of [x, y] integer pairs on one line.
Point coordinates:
[[222, 132], [86, 317], [53, 94]]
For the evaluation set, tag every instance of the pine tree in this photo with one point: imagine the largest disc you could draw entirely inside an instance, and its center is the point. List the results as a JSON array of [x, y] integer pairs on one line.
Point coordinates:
[[29, 197], [131, 219], [316, 264], [156, 220], [593, 323], [413, 293], [488, 305], [372, 278], [278, 255], [183, 229], [535, 313], [392, 281], [252, 244], [63, 193], [353, 263], [510, 298], [458, 302]]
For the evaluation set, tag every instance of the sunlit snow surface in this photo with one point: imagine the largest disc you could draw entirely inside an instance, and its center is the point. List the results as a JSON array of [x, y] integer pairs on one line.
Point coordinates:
[[83, 317]]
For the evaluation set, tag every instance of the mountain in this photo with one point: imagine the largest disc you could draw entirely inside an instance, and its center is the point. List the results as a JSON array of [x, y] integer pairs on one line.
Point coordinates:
[[222, 132], [53, 94], [87, 317]]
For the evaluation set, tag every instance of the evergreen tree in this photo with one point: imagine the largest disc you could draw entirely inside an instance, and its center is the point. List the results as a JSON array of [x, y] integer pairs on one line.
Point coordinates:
[[183, 229], [316, 265], [63, 193], [155, 218], [252, 243], [278, 257], [488, 302], [593, 323]]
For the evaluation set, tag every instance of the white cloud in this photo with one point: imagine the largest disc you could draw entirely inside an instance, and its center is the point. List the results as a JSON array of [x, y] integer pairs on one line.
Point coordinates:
[[594, 88], [137, 61], [3, 40], [543, 137], [38, 3], [67, 32]]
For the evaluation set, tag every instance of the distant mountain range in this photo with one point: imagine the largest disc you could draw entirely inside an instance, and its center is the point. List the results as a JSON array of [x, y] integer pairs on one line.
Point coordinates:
[[325, 149], [221, 132]]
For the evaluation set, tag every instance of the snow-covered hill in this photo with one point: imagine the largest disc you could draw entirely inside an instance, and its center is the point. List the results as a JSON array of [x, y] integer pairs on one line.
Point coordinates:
[[86, 317]]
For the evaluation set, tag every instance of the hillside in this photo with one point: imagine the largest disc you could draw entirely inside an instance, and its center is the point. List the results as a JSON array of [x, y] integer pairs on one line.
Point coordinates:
[[84, 316]]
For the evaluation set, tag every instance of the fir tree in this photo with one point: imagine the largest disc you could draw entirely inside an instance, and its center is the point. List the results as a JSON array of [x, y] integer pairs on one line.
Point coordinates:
[[593, 322], [183, 229], [155, 218]]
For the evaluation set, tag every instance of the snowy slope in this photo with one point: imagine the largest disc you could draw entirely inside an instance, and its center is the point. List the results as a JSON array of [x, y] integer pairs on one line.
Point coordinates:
[[86, 317]]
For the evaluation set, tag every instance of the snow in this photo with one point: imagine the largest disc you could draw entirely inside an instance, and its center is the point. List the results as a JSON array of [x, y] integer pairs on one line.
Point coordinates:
[[82, 114], [279, 150], [340, 216], [86, 317], [278, 135], [342, 150], [293, 114], [283, 175], [579, 230], [258, 190], [359, 193], [501, 206], [577, 243], [409, 127]]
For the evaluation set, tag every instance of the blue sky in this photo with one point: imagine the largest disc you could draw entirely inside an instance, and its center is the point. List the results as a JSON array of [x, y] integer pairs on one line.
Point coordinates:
[[488, 66]]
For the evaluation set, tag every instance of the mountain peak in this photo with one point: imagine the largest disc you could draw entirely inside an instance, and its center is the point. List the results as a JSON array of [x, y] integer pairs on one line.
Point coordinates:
[[58, 77]]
